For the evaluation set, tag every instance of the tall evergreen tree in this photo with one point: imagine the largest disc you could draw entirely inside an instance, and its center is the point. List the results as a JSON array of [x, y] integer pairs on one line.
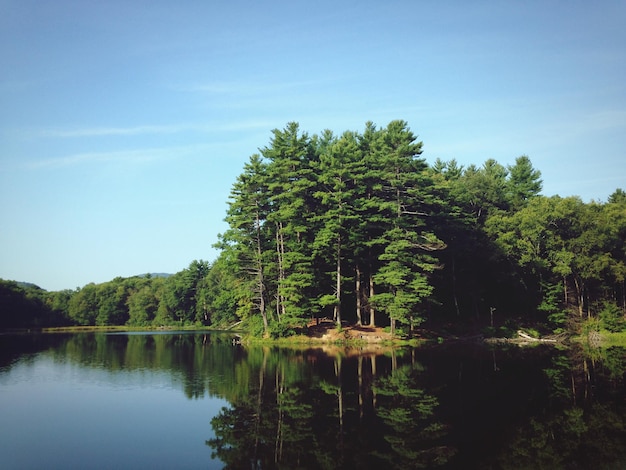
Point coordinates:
[[247, 216], [292, 181], [524, 182], [404, 195], [339, 164]]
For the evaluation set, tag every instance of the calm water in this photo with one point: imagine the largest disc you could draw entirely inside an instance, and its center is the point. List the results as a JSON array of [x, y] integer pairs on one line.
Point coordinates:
[[188, 400]]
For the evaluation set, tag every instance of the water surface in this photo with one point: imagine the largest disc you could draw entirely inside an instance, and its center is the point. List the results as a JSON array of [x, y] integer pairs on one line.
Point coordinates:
[[190, 400]]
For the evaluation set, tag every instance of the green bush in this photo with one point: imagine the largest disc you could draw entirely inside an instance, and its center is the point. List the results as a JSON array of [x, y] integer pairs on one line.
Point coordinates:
[[254, 325], [281, 330]]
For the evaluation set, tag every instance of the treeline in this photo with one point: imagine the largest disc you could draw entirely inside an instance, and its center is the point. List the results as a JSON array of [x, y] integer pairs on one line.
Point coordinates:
[[181, 299], [359, 228]]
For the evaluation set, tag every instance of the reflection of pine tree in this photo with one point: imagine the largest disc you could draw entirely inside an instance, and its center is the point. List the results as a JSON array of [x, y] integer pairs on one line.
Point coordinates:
[[411, 429], [233, 439], [270, 426]]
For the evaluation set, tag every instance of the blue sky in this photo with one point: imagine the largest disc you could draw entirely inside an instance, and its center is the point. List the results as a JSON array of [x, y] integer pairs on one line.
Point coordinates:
[[123, 124]]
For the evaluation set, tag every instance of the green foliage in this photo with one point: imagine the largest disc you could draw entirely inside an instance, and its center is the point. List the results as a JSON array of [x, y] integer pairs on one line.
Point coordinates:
[[143, 302], [28, 306], [83, 306], [254, 326], [181, 299], [281, 329], [612, 317], [617, 197], [551, 306], [361, 222], [316, 210], [524, 182], [408, 412]]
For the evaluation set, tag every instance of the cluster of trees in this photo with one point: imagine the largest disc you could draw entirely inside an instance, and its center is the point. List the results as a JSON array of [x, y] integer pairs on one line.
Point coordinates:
[[341, 224], [359, 228]]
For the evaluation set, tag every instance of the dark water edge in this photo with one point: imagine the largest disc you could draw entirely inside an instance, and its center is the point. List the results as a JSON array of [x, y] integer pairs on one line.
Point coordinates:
[[196, 400]]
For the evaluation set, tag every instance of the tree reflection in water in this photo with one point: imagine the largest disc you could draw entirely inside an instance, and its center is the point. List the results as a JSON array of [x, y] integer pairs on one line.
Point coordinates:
[[345, 416], [428, 408]]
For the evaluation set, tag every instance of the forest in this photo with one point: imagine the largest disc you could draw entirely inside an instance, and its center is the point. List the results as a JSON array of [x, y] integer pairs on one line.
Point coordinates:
[[360, 229]]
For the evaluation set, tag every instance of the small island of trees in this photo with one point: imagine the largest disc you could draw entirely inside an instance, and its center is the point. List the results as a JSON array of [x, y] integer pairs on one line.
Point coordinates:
[[360, 229]]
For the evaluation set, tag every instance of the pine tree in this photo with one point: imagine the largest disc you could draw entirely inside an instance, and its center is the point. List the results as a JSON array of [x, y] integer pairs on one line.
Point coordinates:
[[291, 186], [339, 164], [247, 216], [404, 199]]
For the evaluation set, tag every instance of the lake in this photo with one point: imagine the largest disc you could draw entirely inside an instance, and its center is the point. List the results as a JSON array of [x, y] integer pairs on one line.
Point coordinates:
[[196, 400]]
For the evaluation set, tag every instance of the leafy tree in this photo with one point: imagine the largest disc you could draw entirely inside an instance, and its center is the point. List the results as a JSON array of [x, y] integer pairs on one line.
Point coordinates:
[[143, 303], [178, 303], [227, 294], [58, 302], [83, 306], [112, 297]]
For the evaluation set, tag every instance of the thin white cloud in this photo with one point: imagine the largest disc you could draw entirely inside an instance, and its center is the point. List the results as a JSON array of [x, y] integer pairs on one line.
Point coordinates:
[[98, 131], [98, 157], [145, 155], [115, 131]]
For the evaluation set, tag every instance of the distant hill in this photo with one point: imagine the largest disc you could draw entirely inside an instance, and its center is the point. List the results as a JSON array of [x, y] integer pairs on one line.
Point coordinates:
[[28, 285]]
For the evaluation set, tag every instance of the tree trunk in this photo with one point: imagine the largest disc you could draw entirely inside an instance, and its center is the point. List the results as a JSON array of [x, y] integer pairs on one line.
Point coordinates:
[[456, 301], [580, 295], [260, 278], [338, 283], [280, 252], [372, 311], [360, 384], [357, 290], [372, 321], [373, 364], [259, 403], [280, 384], [339, 399]]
